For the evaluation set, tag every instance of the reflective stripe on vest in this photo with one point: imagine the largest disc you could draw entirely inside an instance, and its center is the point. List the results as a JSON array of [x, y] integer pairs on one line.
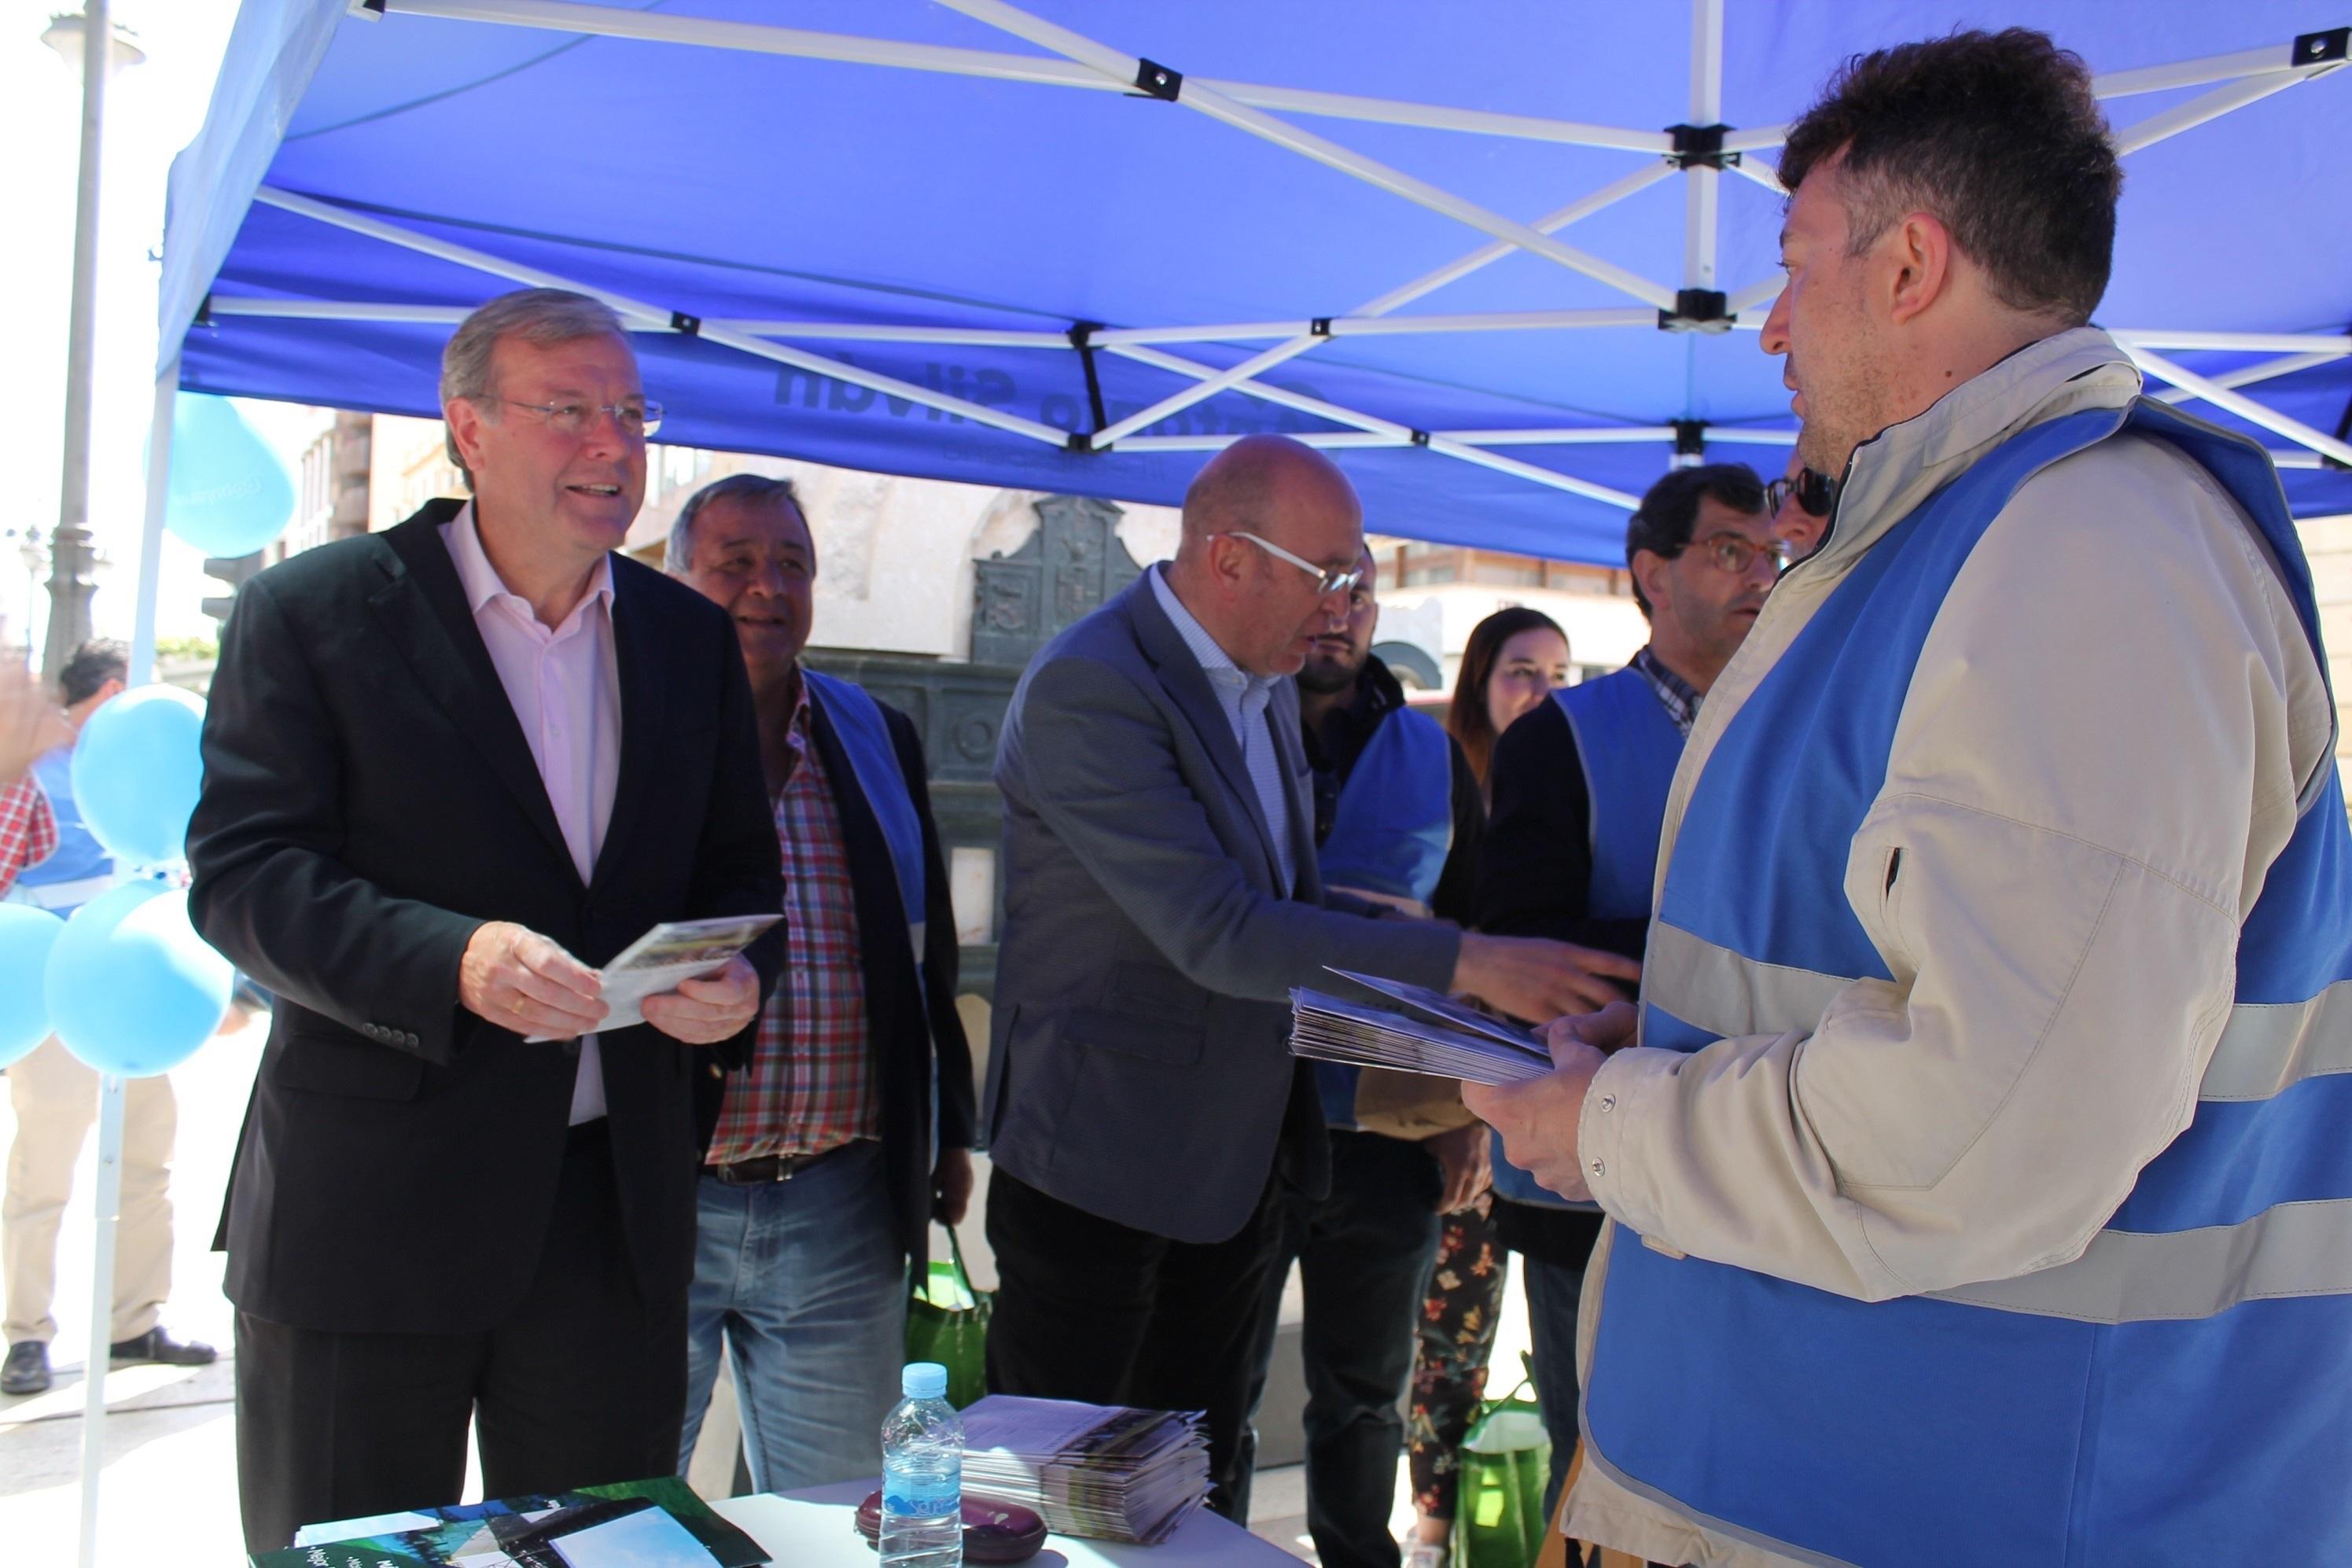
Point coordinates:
[[865, 736], [1628, 746], [79, 868], [1389, 835], [2174, 1396]]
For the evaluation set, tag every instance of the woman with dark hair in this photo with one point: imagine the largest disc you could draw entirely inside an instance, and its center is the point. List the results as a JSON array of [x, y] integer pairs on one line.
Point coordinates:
[[1513, 660]]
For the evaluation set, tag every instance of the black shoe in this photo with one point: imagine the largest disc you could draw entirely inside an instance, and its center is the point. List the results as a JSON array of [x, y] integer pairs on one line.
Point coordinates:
[[26, 1370], [156, 1345]]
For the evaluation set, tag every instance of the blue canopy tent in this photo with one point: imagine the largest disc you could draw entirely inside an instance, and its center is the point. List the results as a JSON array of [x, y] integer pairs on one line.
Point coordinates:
[[1507, 259]]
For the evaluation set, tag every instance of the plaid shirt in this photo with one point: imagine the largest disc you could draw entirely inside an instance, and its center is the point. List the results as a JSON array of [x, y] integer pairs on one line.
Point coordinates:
[[810, 1086], [28, 829], [1678, 696]]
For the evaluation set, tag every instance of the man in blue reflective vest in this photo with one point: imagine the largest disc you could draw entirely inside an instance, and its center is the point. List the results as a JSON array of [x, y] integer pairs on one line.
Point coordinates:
[[851, 1129], [56, 1100], [1978, 1176], [1397, 820], [1579, 787]]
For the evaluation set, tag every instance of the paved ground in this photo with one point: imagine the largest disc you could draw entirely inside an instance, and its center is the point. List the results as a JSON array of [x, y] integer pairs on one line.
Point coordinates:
[[169, 1482]]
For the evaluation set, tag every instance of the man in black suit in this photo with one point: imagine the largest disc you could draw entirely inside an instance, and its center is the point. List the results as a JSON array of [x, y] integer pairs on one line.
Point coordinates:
[[819, 1184], [448, 769]]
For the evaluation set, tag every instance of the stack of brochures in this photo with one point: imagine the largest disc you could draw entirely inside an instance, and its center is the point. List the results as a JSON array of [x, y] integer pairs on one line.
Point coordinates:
[[1097, 1470], [628, 1525], [1432, 1034]]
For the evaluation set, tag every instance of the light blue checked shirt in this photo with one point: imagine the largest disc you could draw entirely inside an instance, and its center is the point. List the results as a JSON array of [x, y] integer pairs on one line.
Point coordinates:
[[1244, 697]]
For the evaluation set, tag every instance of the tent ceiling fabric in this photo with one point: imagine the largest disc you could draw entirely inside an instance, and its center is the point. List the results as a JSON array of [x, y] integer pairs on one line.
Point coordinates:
[[742, 188]]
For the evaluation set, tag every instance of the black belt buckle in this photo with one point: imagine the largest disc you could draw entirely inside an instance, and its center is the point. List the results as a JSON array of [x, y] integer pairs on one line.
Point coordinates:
[[761, 1172]]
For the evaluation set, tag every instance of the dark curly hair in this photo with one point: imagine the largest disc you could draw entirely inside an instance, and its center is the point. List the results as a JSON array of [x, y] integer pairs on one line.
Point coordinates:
[[1999, 136], [1668, 515]]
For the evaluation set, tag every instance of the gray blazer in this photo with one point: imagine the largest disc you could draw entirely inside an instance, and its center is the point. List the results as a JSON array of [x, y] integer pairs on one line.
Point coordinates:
[[1140, 1065]]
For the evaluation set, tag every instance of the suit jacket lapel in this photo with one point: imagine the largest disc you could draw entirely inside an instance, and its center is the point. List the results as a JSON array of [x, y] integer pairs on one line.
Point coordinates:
[[424, 610], [1182, 674], [873, 876], [1290, 746], [639, 655]]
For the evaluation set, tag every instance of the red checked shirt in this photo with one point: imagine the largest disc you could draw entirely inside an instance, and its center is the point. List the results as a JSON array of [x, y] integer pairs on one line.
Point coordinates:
[[811, 1084], [29, 831]]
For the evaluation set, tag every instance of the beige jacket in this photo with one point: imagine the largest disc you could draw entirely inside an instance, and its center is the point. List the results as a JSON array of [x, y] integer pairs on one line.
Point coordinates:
[[2103, 749]]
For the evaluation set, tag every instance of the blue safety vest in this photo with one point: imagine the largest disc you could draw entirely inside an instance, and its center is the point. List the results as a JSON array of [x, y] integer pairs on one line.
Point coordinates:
[[865, 735], [2181, 1393], [1627, 745], [1390, 834], [81, 869]]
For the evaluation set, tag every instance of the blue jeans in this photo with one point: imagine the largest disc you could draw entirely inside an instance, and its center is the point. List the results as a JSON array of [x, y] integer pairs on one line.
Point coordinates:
[[1553, 1290], [804, 1281]]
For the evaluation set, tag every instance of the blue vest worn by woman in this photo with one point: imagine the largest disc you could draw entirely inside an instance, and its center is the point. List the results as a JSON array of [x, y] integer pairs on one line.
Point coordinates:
[[1628, 746], [2181, 1393], [1389, 835], [81, 869]]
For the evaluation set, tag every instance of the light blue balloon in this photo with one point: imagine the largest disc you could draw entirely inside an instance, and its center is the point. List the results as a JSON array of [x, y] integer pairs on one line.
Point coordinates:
[[132, 989], [229, 494], [27, 934], [137, 767]]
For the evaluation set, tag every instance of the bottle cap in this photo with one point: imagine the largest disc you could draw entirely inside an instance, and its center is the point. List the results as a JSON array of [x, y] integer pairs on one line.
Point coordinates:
[[924, 1380]]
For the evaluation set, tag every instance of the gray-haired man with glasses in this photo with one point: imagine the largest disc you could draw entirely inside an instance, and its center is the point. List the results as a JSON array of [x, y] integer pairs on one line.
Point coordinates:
[[449, 769], [1162, 897]]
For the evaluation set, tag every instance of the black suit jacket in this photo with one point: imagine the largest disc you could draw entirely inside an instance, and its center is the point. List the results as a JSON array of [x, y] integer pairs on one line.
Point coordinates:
[[910, 1015], [369, 800]]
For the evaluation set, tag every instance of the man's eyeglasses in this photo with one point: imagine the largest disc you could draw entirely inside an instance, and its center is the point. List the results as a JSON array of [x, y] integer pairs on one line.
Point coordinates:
[[1735, 554], [637, 420], [1812, 491], [1327, 581]]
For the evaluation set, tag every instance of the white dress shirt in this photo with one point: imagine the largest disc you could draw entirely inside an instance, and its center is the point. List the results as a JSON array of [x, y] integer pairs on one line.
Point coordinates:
[[564, 686], [1244, 697]]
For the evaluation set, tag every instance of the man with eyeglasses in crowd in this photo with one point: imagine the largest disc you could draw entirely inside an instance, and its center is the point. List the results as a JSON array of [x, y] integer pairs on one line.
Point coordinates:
[[1579, 789], [448, 769], [1145, 1116]]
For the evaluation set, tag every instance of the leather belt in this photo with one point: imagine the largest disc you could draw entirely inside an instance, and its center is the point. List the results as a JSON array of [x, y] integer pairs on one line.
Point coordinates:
[[767, 1168]]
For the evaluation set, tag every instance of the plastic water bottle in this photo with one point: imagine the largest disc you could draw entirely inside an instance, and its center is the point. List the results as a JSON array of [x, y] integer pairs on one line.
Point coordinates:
[[922, 1474]]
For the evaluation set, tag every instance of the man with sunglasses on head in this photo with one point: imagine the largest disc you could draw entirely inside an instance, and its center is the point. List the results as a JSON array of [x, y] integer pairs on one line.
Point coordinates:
[[449, 769], [1579, 789], [1145, 1118]]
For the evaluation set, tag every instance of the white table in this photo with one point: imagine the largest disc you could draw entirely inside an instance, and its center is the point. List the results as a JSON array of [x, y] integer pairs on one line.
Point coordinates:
[[818, 1529]]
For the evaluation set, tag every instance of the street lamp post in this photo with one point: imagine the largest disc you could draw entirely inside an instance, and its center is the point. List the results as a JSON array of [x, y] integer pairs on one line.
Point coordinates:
[[71, 559]]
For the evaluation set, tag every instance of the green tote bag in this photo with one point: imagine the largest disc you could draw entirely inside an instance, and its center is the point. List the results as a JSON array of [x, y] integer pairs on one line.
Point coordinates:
[[1498, 1521], [946, 1321]]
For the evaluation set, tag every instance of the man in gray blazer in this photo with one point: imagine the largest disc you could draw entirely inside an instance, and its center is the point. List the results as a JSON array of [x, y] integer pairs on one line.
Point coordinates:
[[1161, 898]]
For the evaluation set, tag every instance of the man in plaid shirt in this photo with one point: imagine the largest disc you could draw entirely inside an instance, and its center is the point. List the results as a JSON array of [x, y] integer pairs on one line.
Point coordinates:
[[819, 1182], [30, 724]]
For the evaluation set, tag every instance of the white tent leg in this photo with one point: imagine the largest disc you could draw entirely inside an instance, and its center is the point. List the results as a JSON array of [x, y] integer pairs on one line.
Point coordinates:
[[151, 536], [1702, 194], [109, 1202], [1208, 100], [2248, 375]]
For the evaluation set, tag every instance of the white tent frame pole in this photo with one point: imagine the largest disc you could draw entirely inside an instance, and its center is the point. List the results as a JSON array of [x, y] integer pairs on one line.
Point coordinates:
[[637, 310], [151, 536], [1395, 299], [1751, 167], [108, 1204], [2332, 344], [1203, 100], [2202, 107], [2273, 60], [1758, 295], [1605, 436], [1702, 187], [2239, 404], [2286, 364], [1403, 434], [762, 39]]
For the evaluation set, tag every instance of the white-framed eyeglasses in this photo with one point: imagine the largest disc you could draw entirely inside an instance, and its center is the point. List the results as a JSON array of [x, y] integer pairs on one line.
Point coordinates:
[[637, 420], [1327, 580]]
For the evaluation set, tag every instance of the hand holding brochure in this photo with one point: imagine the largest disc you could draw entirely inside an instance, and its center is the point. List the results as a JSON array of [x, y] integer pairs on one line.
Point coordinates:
[[1448, 1039], [670, 953]]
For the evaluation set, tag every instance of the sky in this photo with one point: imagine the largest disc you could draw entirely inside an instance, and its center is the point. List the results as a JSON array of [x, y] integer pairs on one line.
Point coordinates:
[[153, 111]]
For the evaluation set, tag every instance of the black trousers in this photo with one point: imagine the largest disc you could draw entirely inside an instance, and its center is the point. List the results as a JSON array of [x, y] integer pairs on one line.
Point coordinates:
[[584, 1386], [1363, 1256], [1089, 1309]]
